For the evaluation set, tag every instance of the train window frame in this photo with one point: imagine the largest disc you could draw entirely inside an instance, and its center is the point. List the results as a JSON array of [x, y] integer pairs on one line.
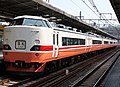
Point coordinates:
[[66, 41], [106, 42], [36, 22], [111, 42], [31, 22], [18, 21], [96, 42], [46, 23]]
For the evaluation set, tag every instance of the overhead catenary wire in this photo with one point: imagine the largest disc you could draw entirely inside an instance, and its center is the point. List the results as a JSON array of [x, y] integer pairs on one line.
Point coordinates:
[[90, 8], [84, 10], [79, 7], [103, 16], [98, 15]]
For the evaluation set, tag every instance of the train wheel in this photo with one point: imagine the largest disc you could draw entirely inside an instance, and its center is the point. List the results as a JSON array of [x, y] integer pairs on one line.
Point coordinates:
[[50, 67], [47, 69]]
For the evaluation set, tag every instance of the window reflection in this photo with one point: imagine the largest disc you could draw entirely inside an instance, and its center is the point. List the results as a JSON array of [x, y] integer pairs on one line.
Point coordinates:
[[72, 41], [31, 22]]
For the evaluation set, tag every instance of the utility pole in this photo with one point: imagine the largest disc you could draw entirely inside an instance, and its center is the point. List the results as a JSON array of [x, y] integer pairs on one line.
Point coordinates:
[[47, 1], [80, 15]]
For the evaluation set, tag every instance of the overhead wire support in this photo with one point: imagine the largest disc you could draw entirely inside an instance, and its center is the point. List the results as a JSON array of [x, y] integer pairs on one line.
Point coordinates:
[[102, 16], [89, 7], [79, 8]]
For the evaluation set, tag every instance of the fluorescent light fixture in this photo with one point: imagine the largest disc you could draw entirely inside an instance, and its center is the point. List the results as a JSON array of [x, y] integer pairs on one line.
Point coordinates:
[[52, 17], [46, 15], [59, 19]]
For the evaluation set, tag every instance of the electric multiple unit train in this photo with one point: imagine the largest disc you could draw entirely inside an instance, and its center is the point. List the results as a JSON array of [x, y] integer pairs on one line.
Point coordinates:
[[31, 44]]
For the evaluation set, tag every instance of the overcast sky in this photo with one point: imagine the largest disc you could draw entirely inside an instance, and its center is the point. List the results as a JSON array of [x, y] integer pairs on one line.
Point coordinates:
[[74, 7]]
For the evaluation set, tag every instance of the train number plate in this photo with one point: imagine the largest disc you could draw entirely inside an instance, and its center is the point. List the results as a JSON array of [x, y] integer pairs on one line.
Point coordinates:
[[20, 44]]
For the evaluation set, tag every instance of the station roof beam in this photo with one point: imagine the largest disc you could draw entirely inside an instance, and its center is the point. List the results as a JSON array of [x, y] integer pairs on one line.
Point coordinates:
[[116, 7], [13, 8]]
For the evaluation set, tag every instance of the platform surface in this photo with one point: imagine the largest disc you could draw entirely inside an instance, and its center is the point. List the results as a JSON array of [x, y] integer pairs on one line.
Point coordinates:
[[113, 77]]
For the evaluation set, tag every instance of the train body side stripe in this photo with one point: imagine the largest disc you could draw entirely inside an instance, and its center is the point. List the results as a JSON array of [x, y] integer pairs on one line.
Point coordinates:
[[50, 48]]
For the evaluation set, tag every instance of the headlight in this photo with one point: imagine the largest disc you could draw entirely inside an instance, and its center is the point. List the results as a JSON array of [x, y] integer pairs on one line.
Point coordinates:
[[37, 41]]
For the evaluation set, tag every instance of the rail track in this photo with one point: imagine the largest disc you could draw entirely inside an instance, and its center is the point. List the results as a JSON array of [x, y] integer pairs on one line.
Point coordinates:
[[94, 77], [6, 81], [68, 77]]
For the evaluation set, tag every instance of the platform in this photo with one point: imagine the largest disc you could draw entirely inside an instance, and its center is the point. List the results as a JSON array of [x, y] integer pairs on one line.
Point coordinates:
[[113, 77]]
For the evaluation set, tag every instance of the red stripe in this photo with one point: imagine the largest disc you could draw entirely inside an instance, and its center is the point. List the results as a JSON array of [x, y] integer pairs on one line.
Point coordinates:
[[46, 48], [50, 48], [73, 47]]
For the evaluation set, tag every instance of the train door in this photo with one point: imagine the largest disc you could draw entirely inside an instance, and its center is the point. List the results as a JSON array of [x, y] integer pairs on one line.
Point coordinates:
[[1, 41], [89, 43], [55, 44]]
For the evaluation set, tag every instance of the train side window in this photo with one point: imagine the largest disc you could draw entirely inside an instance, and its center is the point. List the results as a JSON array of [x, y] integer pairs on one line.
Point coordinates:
[[105, 42], [79, 42], [75, 41], [72, 41], [68, 41], [82, 41], [96, 42], [64, 43]]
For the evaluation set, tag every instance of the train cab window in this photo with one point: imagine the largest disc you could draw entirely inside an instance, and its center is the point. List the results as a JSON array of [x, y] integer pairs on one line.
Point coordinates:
[[31, 22], [46, 24], [18, 21]]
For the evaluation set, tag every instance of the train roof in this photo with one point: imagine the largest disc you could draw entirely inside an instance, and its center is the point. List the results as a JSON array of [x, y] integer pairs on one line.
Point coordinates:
[[31, 17]]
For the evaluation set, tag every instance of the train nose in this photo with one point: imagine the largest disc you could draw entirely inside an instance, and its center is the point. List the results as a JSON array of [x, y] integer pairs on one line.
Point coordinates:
[[20, 44]]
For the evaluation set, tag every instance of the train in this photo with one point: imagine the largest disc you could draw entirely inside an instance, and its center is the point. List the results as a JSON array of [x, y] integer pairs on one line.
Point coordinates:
[[33, 45]]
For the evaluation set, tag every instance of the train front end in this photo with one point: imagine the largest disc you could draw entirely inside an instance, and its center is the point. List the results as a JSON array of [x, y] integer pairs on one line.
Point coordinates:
[[25, 44]]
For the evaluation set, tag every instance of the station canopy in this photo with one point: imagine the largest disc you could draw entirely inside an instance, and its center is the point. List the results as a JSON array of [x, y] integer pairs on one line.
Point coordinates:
[[12, 8], [116, 7]]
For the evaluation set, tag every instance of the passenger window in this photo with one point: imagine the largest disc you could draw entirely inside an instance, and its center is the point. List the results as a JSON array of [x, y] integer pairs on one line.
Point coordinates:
[[72, 41]]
